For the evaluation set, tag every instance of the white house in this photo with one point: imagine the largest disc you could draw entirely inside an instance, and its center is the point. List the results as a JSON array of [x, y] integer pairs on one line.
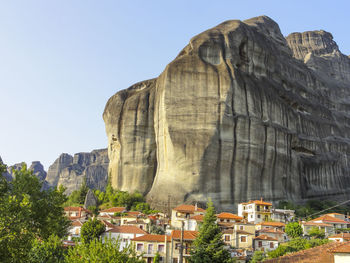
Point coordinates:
[[75, 229], [183, 213], [124, 234], [265, 243], [112, 211], [282, 215], [255, 211]]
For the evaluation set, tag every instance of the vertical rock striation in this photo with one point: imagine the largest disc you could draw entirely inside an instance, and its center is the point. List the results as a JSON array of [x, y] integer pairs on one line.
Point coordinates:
[[241, 113], [71, 171]]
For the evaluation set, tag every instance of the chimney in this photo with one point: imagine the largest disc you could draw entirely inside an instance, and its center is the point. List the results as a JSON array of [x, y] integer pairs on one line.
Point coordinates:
[[195, 207]]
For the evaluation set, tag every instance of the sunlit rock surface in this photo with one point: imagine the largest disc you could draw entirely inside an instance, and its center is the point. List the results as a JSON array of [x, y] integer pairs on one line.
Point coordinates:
[[241, 113]]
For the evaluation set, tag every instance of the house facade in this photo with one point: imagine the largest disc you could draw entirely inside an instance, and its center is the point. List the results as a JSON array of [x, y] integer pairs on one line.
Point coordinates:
[[182, 215], [255, 211], [265, 243]]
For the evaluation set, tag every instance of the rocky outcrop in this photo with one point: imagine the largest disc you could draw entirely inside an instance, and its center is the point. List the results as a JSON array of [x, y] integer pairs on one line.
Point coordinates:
[[6, 174], [71, 171], [241, 113], [90, 199], [38, 170]]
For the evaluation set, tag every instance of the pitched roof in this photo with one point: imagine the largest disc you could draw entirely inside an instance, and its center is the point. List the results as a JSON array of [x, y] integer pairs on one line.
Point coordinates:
[[77, 223], [225, 215], [244, 232], [114, 210], [265, 237], [108, 224], [316, 224], [344, 248], [197, 217], [276, 224], [271, 230], [152, 238], [188, 209], [188, 235], [127, 229], [319, 254], [329, 219]]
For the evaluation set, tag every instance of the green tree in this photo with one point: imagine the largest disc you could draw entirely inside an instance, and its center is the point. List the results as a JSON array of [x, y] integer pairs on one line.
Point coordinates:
[[27, 213], [50, 251], [91, 229], [77, 197], [102, 252], [156, 258], [294, 230], [315, 232], [209, 245], [258, 256]]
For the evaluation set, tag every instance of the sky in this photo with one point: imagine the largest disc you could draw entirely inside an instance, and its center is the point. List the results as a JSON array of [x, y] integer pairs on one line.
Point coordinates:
[[61, 60]]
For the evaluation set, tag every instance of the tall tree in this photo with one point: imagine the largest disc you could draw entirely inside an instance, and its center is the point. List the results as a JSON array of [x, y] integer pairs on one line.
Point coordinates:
[[91, 229], [27, 213], [294, 230], [208, 247]]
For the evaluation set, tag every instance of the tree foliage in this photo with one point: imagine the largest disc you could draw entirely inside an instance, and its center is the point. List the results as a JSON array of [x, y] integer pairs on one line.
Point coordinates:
[[315, 232], [50, 251], [77, 197], [209, 245], [294, 230], [258, 256], [91, 229], [295, 245], [102, 252], [27, 213]]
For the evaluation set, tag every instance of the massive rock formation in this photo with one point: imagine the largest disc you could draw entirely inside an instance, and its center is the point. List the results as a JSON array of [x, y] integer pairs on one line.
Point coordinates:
[[71, 171], [239, 114]]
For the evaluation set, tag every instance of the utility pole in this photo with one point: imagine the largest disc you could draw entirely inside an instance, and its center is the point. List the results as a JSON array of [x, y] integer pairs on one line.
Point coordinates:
[[181, 243]]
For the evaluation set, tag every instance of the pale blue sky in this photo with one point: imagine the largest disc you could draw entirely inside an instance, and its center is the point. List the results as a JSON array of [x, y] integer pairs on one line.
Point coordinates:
[[60, 61]]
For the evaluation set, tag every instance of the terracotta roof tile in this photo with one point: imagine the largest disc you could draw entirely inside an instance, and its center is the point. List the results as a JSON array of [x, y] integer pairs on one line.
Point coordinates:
[[341, 235], [258, 202], [344, 248], [310, 223], [152, 238], [188, 235], [276, 224], [77, 223], [76, 209], [271, 230], [127, 229], [265, 237], [329, 219], [188, 209], [197, 217], [225, 215]]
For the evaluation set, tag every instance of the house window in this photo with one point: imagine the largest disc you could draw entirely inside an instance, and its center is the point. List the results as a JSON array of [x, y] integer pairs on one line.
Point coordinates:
[[241, 227], [150, 249], [141, 227], [271, 244], [227, 238], [243, 239], [139, 247], [222, 220], [251, 216], [160, 248], [266, 217], [260, 244], [259, 216], [177, 246]]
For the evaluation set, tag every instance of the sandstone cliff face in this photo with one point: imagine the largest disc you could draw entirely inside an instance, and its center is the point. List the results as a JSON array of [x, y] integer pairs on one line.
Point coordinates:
[[71, 171], [240, 114]]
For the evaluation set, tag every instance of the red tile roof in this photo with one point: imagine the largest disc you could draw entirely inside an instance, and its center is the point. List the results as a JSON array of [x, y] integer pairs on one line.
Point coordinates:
[[114, 210], [108, 224], [225, 215], [265, 237], [188, 235], [341, 235], [198, 217], [127, 229], [344, 248], [271, 230], [329, 219], [258, 202], [152, 238], [319, 254], [77, 223], [188, 209], [276, 224], [310, 223], [76, 209]]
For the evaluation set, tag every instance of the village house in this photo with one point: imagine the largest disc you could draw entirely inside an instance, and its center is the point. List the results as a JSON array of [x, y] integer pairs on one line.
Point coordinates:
[[75, 229], [282, 215], [194, 222], [328, 229], [278, 225], [339, 216], [330, 220], [77, 212], [265, 243], [274, 233], [225, 217], [112, 211], [188, 238], [341, 237], [238, 239], [148, 245], [255, 211], [182, 214], [124, 234]]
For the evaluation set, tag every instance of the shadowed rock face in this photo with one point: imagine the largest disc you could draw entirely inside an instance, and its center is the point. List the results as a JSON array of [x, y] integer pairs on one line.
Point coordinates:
[[239, 114], [71, 171]]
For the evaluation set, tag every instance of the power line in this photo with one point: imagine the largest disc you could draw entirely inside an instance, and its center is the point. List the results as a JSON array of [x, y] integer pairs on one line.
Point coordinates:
[[328, 208]]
